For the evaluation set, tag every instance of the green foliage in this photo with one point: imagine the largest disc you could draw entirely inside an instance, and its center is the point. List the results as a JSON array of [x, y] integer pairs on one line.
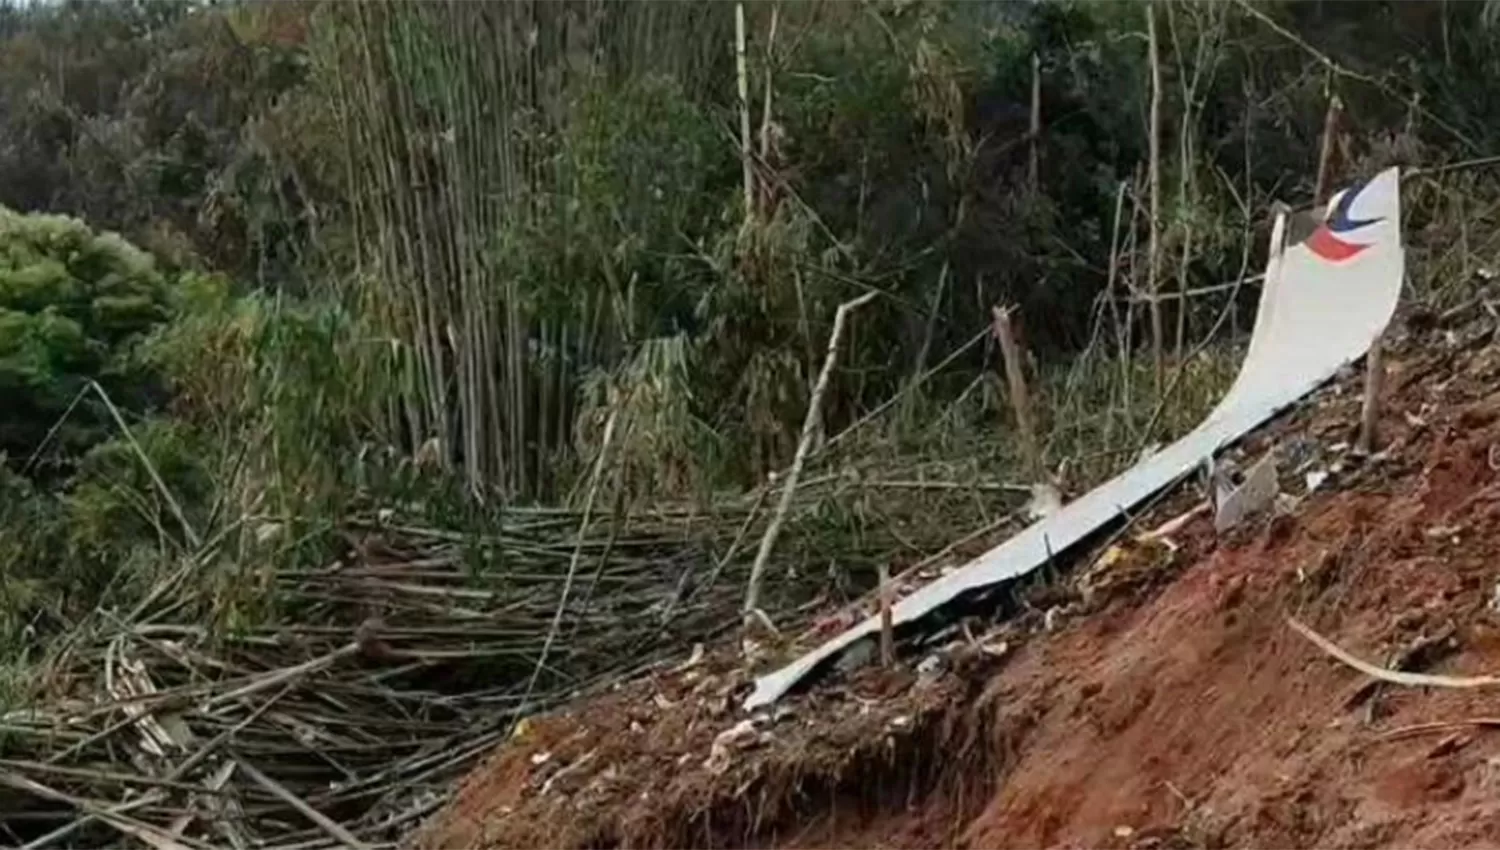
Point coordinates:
[[73, 306], [433, 247], [147, 118], [62, 551], [268, 378]]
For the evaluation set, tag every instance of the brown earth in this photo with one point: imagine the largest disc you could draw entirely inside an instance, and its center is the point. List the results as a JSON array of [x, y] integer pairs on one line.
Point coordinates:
[[1171, 704]]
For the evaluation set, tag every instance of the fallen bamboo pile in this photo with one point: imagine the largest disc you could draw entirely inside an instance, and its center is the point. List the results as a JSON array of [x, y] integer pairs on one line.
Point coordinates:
[[387, 674]]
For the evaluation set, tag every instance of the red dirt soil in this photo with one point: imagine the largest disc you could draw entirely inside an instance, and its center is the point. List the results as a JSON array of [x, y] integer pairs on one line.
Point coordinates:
[[1171, 704]]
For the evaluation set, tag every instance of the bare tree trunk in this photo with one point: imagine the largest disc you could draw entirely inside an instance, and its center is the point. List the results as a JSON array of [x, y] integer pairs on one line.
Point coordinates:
[[1153, 249]]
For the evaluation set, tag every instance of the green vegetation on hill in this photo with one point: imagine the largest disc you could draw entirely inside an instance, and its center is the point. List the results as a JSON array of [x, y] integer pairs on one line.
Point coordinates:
[[485, 333], [73, 307], [413, 258]]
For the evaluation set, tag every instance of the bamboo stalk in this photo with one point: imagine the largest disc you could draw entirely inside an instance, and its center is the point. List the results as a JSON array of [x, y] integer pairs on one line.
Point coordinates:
[[765, 115], [1020, 397], [600, 462], [809, 427], [1153, 249], [742, 77], [887, 636], [1369, 414], [1326, 151], [338, 833], [1034, 166]]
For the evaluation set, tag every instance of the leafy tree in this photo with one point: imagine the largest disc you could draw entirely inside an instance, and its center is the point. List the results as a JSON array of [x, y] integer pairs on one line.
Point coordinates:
[[74, 304]]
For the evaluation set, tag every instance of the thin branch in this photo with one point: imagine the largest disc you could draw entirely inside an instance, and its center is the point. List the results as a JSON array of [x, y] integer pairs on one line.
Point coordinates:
[[588, 511], [1395, 677]]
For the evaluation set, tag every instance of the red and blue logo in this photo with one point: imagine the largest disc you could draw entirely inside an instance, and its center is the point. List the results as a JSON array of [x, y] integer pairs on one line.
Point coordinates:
[[1327, 240]]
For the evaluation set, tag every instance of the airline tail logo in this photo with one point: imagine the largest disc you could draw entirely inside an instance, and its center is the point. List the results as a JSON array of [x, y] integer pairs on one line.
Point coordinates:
[[1328, 238]]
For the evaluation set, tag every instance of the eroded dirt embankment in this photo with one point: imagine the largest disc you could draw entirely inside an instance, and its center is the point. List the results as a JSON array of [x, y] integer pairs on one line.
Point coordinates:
[[1171, 705]]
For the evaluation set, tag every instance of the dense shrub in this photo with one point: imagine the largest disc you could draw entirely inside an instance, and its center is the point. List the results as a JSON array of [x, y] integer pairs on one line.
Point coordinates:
[[74, 304]]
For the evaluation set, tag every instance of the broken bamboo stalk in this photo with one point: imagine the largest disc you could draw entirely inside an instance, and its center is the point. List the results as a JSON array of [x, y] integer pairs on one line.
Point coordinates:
[[1325, 155], [1153, 250], [1369, 415], [887, 636], [810, 422], [1034, 167], [742, 79], [1020, 397], [280, 792]]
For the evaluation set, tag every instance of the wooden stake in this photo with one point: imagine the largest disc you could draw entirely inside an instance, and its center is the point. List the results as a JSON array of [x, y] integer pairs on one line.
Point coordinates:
[[887, 632], [809, 427], [1036, 120], [1020, 398], [1369, 415], [1325, 155]]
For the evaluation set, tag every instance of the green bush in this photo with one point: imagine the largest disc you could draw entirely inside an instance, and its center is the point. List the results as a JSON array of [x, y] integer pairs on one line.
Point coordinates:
[[74, 304]]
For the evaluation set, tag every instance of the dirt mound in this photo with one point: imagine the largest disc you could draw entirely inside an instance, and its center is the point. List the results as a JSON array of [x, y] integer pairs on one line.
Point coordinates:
[[1162, 700]]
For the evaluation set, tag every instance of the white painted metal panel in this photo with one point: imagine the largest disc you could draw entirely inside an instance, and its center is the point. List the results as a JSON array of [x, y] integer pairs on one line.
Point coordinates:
[[1324, 301]]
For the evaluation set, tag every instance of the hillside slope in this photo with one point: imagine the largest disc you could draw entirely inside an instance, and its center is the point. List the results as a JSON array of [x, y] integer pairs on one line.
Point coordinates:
[[1158, 696]]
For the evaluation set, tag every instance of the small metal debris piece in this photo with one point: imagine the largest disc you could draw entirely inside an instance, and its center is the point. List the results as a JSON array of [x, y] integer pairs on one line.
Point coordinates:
[[1259, 492]]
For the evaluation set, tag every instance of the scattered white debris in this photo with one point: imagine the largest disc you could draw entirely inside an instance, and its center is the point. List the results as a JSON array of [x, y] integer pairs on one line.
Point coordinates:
[[539, 759], [568, 769], [1315, 479], [1441, 532], [1045, 501], [996, 649], [735, 737], [693, 660]]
